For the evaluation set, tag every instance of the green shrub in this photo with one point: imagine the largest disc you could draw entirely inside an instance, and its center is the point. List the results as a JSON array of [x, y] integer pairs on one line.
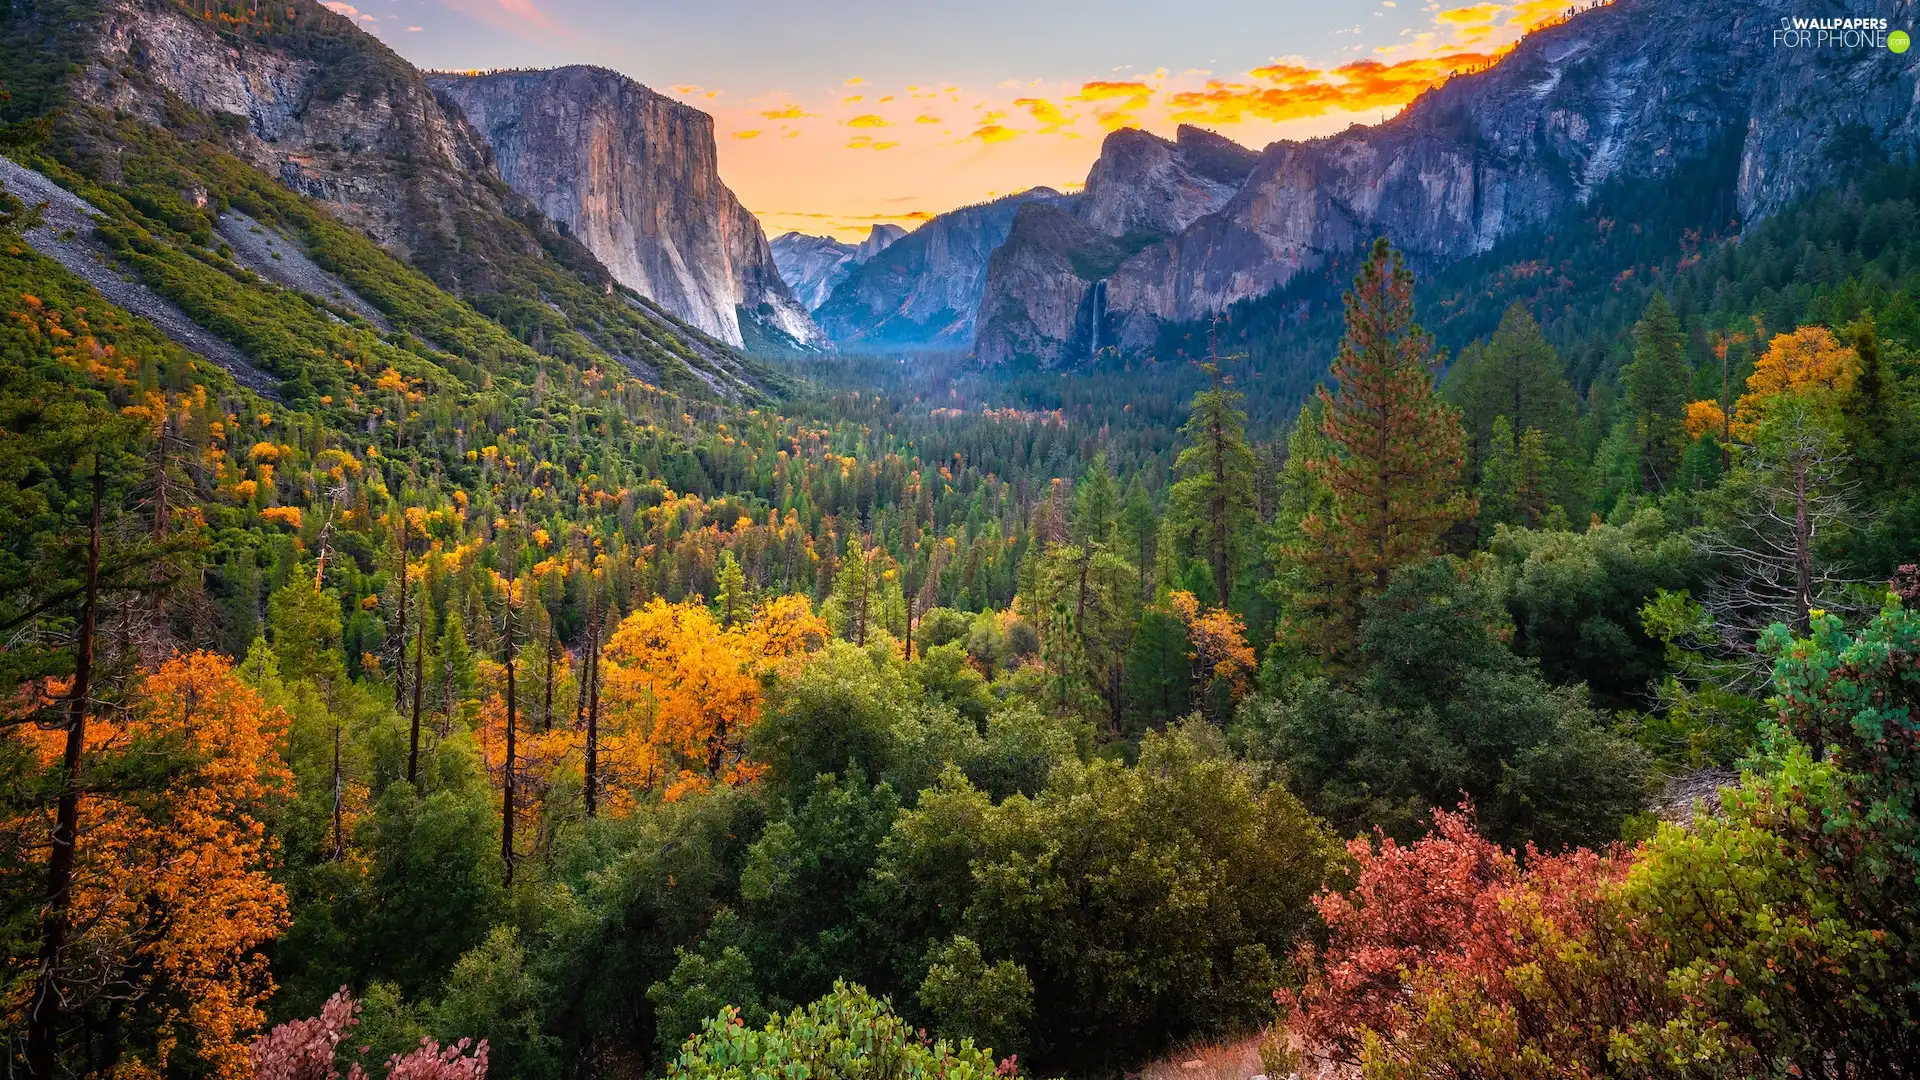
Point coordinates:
[[847, 1035]]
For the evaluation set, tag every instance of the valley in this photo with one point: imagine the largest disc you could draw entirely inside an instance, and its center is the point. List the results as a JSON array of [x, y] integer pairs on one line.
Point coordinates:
[[1431, 599]]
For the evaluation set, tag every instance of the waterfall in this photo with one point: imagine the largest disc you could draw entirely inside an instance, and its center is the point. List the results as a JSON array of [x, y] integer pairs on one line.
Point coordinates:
[[1099, 296]]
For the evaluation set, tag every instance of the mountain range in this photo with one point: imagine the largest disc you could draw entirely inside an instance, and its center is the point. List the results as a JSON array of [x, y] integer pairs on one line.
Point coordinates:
[[815, 265], [1171, 231], [585, 213]]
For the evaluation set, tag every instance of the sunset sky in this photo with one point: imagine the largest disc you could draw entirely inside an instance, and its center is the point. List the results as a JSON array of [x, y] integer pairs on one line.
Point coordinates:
[[832, 116]]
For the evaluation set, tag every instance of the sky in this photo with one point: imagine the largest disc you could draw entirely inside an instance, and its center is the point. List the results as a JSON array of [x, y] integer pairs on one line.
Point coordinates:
[[832, 116]]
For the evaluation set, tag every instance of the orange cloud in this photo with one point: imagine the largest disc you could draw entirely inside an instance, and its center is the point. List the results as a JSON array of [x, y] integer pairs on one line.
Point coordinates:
[[993, 133], [855, 81], [923, 118], [1472, 15], [1051, 117], [866, 142], [752, 133], [786, 112], [1116, 103], [868, 120], [1291, 92], [514, 15]]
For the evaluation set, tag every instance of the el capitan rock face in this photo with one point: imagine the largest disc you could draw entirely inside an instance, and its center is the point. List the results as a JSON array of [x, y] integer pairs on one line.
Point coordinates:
[[1635, 90], [634, 175]]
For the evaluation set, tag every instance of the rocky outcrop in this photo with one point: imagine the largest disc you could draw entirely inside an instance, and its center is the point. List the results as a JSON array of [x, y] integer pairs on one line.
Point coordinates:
[[814, 266], [634, 175], [1634, 90], [1144, 182], [1046, 292], [925, 288], [879, 238], [359, 131], [1046, 296]]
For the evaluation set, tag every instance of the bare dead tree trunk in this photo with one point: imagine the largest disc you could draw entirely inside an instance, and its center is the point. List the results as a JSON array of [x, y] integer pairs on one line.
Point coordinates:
[[400, 669], [339, 797], [419, 682], [43, 1015], [546, 704], [1802, 551], [592, 695], [507, 785]]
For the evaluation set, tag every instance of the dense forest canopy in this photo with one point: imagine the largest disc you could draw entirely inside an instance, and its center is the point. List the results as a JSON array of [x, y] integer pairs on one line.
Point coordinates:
[[1315, 675]]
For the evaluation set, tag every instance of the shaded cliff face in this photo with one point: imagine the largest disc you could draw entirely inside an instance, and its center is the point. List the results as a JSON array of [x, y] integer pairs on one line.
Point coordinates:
[[634, 175], [814, 266], [363, 133], [1635, 90], [926, 287]]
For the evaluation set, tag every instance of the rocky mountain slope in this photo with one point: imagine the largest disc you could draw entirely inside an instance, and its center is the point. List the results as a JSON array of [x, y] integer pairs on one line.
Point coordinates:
[[304, 96], [1634, 90], [634, 175], [814, 265], [925, 288], [1046, 294]]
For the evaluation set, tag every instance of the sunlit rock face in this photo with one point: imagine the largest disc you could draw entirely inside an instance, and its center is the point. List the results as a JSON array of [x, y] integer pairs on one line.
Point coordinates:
[[634, 176]]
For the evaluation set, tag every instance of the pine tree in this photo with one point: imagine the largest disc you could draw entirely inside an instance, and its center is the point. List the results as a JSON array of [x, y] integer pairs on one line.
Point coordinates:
[[1393, 461], [1657, 382], [1516, 374], [1211, 506], [855, 591], [731, 592]]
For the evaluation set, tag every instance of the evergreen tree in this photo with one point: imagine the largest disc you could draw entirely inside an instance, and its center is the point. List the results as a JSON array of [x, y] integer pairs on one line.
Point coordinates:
[[1139, 531], [1394, 450], [1657, 382], [1212, 506], [1516, 374], [731, 595], [855, 590]]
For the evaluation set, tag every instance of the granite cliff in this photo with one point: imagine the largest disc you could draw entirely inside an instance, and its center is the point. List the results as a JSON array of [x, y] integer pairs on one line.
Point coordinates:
[[1046, 292], [925, 288], [1631, 91], [814, 266], [634, 176]]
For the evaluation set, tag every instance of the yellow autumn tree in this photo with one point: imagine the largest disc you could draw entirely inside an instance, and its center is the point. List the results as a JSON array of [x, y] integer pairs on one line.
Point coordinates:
[[173, 894], [681, 691], [1809, 361]]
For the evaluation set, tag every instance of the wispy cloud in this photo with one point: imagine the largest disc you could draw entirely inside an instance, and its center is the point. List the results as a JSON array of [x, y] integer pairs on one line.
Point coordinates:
[[516, 16]]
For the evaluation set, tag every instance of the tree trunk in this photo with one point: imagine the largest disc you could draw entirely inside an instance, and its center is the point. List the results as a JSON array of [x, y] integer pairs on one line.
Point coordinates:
[[419, 666], [593, 710], [43, 1016], [506, 794], [1802, 552]]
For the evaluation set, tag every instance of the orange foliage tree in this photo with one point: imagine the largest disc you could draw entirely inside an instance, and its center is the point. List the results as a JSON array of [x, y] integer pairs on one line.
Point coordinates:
[[1219, 649], [1808, 361], [681, 691], [172, 893]]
